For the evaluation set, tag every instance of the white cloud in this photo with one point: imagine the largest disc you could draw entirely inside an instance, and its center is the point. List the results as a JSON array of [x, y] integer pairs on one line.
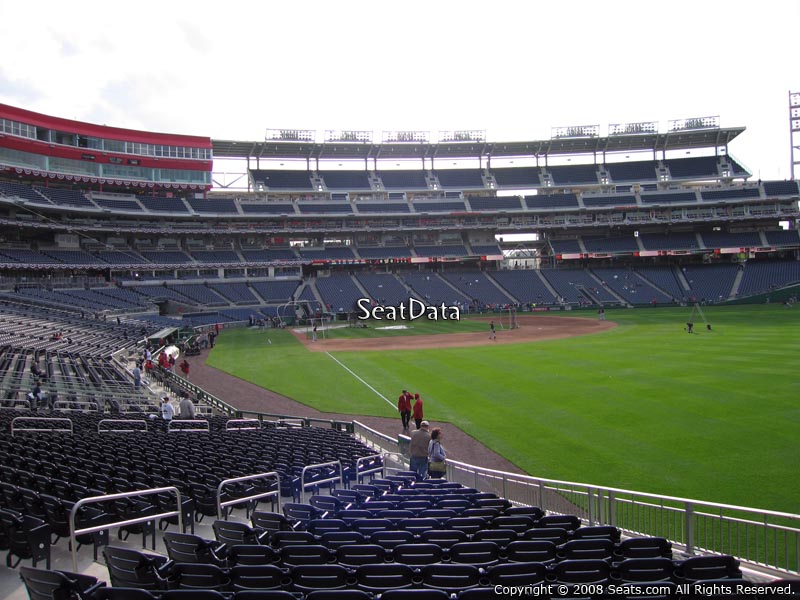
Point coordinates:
[[513, 68]]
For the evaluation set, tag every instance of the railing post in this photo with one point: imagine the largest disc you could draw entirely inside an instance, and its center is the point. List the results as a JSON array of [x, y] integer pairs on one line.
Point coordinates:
[[689, 527], [612, 513]]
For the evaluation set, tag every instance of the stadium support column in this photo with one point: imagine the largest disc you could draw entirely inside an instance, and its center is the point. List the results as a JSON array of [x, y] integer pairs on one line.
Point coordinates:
[[794, 131]]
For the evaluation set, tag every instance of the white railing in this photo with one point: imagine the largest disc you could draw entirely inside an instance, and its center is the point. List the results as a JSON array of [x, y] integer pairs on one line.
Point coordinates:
[[73, 533], [223, 505], [121, 425], [304, 485], [189, 426], [51, 420], [761, 537], [375, 439], [242, 424]]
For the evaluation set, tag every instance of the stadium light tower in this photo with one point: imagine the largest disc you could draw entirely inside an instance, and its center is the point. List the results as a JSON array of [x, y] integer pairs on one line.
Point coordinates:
[[794, 131]]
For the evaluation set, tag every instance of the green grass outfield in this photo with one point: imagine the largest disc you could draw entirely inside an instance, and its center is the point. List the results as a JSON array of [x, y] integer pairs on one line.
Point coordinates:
[[645, 406]]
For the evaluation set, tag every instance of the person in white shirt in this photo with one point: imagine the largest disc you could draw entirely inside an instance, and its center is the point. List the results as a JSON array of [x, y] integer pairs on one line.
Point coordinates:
[[167, 410]]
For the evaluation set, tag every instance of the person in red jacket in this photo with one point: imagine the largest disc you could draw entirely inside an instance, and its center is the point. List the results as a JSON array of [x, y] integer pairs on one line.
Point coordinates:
[[417, 410], [404, 408]]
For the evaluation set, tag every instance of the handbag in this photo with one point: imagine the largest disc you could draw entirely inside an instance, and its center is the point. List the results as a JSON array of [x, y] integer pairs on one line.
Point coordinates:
[[437, 467]]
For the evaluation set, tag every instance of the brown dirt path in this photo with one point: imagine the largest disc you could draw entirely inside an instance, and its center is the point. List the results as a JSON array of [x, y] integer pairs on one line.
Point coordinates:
[[460, 446]]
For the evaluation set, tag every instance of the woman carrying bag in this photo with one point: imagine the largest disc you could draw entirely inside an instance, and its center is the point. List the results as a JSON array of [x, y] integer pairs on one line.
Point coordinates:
[[436, 455]]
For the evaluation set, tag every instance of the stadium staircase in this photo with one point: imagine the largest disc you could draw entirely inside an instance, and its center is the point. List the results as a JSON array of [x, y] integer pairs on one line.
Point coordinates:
[[736, 283], [651, 284], [495, 283], [600, 283], [682, 280], [546, 284]]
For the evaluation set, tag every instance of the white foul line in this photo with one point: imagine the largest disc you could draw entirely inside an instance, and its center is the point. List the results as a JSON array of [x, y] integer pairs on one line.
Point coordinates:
[[385, 399]]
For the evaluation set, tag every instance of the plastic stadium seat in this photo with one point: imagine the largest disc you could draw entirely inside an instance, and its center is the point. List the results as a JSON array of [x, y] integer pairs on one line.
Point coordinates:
[[291, 538], [700, 568], [360, 554], [326, 503], [270, 521], [27, 537], [300, 514], [440, 514], [568, 522], [378, 578], [370, 526], [488, 513], [188, 548], [417, 525], [469, 525], [579, 571], [320, 526], [557, 535], [252, 554], [335, 539], [643, 547], [350, 515], [132, 568], [608, 532], [196, 576], [232, 532], [599, 548], [46, 585], [395, 515], [443, 538], [543, 551], [391, 539], [257, 577], [306, 578], [417, 554], [522, 573], [534, 512], [644, 569], [451, 578], [481, 554], [501, 537], [306, 554]]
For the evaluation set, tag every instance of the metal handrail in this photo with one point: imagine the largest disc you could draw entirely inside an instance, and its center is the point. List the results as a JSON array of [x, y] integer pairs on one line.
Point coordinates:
[[376, 438], [364, 459], [199, 422], [247, 424], [334, 463], [73, 533], [69, 430], [120, 421], [83, 405], [276, 492]]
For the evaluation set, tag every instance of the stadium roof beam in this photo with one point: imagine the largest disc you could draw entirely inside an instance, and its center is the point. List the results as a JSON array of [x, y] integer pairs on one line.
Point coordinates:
[[654, 142]]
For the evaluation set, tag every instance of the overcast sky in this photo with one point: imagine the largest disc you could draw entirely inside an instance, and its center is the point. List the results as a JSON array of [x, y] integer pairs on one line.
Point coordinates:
[[230, 70]]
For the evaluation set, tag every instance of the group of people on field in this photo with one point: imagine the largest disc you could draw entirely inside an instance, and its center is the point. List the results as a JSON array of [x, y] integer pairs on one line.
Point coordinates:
[[428, 456]]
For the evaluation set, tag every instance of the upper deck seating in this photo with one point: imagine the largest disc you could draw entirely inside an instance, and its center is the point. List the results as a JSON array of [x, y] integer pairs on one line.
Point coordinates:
[[346, 180], [403, 180], [462, 179], [517, 177], [525, 286], [277, 179], [213, 205], [498, 203]]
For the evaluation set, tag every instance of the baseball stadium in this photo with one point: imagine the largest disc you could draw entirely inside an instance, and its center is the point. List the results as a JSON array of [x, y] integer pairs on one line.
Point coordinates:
[[601, 326]]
